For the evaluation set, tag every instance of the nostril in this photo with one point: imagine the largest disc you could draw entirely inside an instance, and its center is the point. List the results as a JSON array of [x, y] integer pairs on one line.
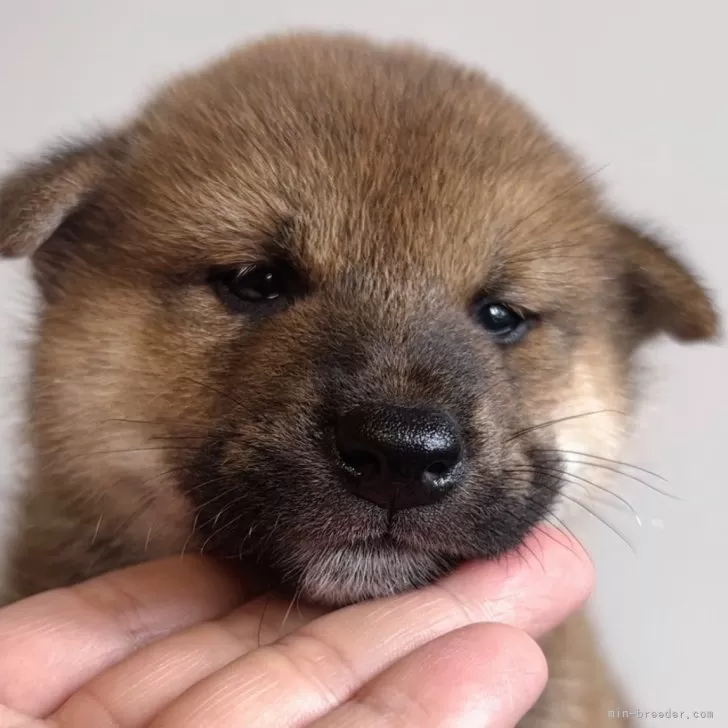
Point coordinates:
[[363, 464], [438, 470]]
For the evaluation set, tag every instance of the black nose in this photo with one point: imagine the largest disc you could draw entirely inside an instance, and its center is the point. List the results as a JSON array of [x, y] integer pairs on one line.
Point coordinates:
[[399, 457]]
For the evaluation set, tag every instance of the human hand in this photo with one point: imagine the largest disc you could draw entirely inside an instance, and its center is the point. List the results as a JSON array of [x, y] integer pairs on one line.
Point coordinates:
[[182, 644]]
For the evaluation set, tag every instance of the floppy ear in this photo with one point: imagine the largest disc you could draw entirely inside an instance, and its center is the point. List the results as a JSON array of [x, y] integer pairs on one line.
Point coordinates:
[[664, 295], [37, 198]]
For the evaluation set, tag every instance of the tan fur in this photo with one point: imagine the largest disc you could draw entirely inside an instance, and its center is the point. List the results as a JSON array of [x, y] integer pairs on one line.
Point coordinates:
[[580, 691], [404, 185]]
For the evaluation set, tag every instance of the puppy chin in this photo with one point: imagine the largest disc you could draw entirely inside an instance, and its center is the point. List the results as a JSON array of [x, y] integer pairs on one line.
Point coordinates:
[[346, 575]]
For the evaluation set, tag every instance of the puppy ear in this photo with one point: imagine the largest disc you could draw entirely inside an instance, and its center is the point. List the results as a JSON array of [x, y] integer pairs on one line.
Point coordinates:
[[664, 295], [37, 198]]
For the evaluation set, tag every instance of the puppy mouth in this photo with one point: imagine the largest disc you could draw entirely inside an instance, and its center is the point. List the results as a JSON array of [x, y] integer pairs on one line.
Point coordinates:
[[386, 541], [315, 537], [383, 564], [364, 570]]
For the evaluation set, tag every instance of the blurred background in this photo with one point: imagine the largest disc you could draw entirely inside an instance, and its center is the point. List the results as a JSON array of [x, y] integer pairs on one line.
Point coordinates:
[[638, 87]]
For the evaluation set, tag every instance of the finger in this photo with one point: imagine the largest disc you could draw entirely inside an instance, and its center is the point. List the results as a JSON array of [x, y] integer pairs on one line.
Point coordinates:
[[480, 676], [534, 588], [308, 673], [12, 719], [53, 643], [131, 693]]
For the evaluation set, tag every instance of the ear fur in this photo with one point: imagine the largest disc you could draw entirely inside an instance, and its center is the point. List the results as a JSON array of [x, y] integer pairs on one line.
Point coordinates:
[[37, 198], [665, 296]]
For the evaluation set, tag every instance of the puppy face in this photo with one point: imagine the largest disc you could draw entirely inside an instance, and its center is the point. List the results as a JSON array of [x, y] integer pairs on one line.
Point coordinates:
[[339, 310]]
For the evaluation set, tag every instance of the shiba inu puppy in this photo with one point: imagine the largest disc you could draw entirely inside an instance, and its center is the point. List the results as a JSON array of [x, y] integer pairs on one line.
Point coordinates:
[[339, 310]]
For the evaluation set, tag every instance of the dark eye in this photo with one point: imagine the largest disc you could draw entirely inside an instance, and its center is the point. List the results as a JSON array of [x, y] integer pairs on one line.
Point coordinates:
[[501, 321], [257, 284], [253, 287]]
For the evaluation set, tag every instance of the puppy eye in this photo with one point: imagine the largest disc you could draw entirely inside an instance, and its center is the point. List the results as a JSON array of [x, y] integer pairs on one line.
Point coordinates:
[[504, 324], [254, 286], [257, 284]]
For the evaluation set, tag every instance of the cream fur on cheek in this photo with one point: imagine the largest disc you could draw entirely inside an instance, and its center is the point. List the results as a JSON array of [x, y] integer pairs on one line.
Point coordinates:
[[19, 303]]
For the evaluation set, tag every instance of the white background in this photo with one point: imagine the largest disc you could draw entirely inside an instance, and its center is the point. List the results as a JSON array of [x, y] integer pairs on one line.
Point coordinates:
[[639, 86]]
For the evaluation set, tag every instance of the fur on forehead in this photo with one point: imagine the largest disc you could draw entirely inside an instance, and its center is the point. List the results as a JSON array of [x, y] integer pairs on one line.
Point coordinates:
[[351, 146], [344, 152]]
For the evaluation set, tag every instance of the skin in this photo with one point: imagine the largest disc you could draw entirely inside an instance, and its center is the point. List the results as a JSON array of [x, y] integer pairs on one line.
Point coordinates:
[[199, 647]]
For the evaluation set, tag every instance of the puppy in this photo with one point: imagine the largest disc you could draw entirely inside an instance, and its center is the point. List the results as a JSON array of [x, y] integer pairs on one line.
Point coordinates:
[[338, 310]]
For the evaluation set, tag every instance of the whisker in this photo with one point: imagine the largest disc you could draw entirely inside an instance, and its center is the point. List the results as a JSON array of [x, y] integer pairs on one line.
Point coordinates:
[[262, 617], [566, 474], [550, 514], [192, 533], [144, 449], [227, 524], [497, 383], [209, 538], [562, 524], [536, 513], [96, 531], [550, 423], [272, 531], [163, 473], [296, 595], [247, 538], [232, 522], [206, 428], [533, 553], [221, 392], [298, 604], [605, 459], [175, 438], [606, 523], [198, 486], [642, 481], [603, 521], [538, 527], [621, 499]]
